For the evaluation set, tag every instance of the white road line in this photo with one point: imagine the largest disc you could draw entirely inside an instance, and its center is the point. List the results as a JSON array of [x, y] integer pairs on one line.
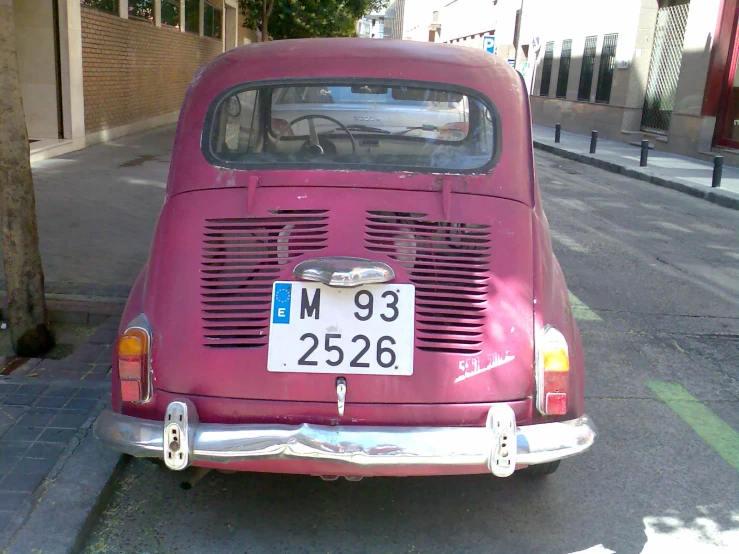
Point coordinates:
[[580, 310], [567, 241]]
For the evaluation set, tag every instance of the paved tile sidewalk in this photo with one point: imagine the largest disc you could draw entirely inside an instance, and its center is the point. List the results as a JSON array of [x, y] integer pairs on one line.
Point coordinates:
[[678, 172], [43, 406]]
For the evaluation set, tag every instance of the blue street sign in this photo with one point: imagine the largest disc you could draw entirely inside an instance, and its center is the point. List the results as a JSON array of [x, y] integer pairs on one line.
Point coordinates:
[[488, 43]]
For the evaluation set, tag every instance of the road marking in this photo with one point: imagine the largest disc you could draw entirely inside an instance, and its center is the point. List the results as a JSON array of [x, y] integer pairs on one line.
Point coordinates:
[[712, 429], [580, 310], [567, 241]]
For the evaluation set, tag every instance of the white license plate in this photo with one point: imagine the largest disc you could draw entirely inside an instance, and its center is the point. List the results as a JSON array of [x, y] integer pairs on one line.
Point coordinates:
[[354, 331]]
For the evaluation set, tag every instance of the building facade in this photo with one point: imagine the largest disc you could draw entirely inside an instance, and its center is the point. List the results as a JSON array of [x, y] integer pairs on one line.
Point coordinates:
[[372, 26], [94, 70], [421, 20], [387, 23], [635, 69], [665, 70]]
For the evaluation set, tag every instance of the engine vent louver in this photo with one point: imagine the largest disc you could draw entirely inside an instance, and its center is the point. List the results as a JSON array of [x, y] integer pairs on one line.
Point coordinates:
[[241, 258], [449, 265]]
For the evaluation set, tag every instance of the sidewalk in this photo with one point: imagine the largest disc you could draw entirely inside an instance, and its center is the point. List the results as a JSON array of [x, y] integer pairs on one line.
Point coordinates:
[[679, 173], [47, 408], [96, 210]]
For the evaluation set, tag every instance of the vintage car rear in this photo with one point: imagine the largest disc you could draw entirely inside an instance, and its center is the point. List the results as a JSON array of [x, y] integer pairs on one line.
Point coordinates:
[[333, 298]]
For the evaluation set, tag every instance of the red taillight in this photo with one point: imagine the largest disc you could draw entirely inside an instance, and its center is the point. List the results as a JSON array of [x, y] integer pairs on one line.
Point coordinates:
[[552, 372], [454, 131], [133, 365], [281, 128]]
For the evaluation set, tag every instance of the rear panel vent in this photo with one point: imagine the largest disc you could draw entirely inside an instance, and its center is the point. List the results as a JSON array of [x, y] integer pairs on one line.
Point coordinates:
[[449, 265], [241, 259]]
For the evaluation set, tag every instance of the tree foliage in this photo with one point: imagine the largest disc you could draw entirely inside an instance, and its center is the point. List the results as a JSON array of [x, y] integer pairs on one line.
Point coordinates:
[[306, 18]]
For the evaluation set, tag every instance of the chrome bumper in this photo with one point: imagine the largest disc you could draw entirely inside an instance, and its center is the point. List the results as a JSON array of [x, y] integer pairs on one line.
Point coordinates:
[[188, 441]]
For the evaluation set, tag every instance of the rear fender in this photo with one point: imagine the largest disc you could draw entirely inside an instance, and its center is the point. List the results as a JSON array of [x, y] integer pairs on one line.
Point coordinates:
[[552, 307], [134, 306]]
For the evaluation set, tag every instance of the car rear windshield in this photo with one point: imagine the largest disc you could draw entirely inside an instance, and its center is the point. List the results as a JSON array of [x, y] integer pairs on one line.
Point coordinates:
[[376, 126]]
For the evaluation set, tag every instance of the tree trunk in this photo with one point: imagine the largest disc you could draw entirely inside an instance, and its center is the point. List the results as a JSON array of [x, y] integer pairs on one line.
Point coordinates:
[[24, 277], [267, 7], [265, 21]]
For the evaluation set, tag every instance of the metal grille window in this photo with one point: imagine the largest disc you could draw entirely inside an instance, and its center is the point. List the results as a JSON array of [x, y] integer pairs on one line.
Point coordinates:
[[564, 68], [546, 69], [664, 67], [605, 73], [141, 9], [586, 73], [105, 5], [171, 13]]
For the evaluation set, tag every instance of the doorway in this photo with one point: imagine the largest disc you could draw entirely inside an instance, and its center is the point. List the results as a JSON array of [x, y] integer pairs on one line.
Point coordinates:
[[37, 51]]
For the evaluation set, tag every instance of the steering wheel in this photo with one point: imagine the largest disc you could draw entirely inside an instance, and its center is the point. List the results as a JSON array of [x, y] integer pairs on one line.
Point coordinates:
[[315, 146]]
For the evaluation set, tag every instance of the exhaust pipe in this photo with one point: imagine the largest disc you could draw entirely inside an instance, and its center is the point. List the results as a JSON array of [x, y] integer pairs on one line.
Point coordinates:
[[192, 475]]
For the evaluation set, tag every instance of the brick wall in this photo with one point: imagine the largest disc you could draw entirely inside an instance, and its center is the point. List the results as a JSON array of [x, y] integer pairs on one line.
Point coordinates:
[[133, 70]]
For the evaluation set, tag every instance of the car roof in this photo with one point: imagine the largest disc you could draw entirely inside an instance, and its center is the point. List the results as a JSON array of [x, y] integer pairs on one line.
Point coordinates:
[[358, 57]]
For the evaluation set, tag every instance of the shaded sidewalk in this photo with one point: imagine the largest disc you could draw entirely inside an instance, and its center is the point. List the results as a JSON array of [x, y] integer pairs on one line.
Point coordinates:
[[687, 175], [96, 210]]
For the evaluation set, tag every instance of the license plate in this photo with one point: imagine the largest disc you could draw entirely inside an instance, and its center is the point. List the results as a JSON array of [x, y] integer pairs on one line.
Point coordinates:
[[353, 331]]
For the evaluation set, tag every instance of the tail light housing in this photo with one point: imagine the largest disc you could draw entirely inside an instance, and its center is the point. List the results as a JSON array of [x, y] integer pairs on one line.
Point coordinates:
[[281, 128], [134, 362], [552, 372]]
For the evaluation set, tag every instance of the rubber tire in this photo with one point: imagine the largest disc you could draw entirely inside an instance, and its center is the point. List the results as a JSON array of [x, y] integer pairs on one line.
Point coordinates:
[[540, 470]]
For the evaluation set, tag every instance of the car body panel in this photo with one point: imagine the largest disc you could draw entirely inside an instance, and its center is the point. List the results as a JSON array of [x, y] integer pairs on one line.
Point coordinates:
[[360, 213]]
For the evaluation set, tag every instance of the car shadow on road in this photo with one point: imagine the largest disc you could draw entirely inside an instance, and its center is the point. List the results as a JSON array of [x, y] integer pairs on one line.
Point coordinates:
[[256, 513]]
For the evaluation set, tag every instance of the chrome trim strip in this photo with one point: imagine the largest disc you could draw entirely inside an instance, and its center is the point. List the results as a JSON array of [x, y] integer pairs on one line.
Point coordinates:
[[362, 446], [343, 271]]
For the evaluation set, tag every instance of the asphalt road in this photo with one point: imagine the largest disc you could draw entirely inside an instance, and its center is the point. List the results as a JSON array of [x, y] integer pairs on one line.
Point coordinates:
[[657, 273]]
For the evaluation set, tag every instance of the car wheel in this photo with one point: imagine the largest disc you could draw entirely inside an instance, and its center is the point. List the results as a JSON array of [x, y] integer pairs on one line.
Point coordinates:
[[540, 470]]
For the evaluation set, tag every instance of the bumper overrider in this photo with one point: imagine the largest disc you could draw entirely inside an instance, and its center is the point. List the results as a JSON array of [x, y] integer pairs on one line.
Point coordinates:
[[180, 440]]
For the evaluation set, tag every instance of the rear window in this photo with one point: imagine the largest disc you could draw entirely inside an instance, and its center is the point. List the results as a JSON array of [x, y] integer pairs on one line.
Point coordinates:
[[378, 126]]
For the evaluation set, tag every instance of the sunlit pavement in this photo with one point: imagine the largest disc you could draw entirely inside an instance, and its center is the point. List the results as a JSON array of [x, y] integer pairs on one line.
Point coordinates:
[[655, 281]]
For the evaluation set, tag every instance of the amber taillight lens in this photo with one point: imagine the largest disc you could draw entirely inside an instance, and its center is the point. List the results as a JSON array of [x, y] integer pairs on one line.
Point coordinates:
[[552, 372], [133, 365]]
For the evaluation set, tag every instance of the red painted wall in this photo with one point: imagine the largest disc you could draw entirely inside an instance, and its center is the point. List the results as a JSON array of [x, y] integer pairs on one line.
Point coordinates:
[[721, 55]]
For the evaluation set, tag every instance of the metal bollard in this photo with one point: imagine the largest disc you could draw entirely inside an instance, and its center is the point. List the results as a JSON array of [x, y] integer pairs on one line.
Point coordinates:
[[644, 153], [718, 169], [593, 141], [557, 132]]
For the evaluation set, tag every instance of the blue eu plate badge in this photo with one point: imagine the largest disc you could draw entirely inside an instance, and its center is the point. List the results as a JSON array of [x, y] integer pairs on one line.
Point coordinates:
[[281, 303]]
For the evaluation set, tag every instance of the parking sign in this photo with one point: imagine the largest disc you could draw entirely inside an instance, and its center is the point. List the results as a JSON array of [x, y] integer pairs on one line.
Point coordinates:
[[488, 43]]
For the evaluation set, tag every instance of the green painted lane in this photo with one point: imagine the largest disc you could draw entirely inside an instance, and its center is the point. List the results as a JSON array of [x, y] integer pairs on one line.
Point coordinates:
[[716, 432], [580, 310]]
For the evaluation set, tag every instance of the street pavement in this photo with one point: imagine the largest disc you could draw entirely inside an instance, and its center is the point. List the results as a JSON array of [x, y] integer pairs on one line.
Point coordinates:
[[655, 281]]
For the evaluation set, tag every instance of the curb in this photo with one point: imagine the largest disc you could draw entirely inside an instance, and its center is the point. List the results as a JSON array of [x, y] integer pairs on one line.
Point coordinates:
[[85, 310], [71, 499], [720, 198]]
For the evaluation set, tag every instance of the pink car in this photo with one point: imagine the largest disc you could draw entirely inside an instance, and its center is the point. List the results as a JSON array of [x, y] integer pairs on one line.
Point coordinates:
[[351, 291]]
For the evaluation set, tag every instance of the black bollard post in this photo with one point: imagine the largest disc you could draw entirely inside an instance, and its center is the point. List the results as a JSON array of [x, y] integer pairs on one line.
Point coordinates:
[[644, 153], [557, 132], [718, 169], [593, 141]]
